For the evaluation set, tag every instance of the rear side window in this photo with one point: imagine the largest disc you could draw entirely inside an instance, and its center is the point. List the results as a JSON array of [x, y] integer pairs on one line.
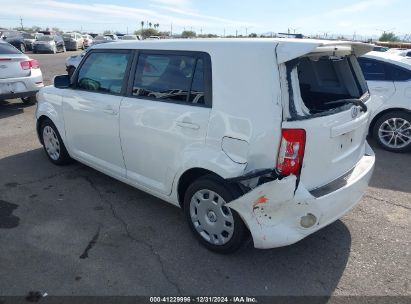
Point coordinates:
[[170, 77], [399, 74], [6, 48], [103, 72], [372, 69]]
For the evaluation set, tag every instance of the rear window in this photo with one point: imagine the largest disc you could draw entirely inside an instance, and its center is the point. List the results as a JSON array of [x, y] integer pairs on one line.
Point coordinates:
[[327, 82], [45, 38], [6, 48]]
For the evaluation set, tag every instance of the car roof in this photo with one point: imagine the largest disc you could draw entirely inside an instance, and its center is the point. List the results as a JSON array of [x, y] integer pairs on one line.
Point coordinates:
[[287, 49], [393, 58]]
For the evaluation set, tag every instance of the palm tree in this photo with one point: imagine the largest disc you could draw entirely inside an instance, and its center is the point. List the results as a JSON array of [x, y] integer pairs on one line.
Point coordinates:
[[142, 26], [150, 24]]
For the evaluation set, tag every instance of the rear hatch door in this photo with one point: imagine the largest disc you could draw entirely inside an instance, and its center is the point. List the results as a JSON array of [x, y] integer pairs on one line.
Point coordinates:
[[336, 134]]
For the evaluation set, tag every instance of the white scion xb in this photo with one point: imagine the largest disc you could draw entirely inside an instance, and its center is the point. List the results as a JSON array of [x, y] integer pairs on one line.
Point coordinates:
[[250, 136]]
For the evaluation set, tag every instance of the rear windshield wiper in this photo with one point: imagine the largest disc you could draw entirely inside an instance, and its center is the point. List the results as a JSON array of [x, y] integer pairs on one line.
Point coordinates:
[[355, 101]]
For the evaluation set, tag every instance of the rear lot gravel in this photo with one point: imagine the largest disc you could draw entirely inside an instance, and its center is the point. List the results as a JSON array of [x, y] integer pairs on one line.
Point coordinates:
[[74, 231]]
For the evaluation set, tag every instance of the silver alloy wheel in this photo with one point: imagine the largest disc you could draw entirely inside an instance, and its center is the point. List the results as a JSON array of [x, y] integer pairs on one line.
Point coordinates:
[[395, 133], [51, 143], [211, 218]]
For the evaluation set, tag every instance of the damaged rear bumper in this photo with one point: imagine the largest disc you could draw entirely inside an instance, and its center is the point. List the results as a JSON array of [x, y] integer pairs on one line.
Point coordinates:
[[278, 215]]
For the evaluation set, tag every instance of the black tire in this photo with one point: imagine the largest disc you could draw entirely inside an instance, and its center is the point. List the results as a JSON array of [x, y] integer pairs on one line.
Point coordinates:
[[228, 193], [380, 121], [29, 100], [64, 158], [22, 48]]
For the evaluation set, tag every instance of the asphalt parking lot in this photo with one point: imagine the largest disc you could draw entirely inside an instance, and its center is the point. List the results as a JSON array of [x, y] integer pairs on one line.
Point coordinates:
[[74, 231]]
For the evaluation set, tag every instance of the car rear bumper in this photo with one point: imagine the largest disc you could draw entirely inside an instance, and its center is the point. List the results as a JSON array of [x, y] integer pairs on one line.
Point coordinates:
[[278, 215], [21, 86]]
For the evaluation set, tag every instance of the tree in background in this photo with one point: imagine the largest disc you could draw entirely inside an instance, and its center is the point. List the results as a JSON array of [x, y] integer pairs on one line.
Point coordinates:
[[106, 32], [145, 33], [142, 25], [390, 36], [253, 35], [188, 34], [150, 24]]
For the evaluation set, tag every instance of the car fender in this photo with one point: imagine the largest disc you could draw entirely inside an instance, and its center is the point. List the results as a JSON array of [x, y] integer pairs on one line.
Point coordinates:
[[50, 105], [208, 158]]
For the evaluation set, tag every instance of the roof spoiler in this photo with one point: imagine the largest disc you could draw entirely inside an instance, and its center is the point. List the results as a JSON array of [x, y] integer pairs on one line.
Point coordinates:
[[290, 49]]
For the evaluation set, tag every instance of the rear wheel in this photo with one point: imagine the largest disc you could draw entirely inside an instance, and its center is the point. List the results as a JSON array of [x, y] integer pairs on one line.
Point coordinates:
[[53, 144], [216, 226], [392, 131], [29, 100]]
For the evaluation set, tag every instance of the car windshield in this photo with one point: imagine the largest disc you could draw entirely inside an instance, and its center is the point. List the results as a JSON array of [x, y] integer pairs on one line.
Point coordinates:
[[28, 36], [129, 37], [45, 38], [103, 38]]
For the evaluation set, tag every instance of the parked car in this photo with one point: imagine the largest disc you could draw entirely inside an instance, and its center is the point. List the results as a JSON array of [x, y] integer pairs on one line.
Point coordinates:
[[30, 38], [380, 48], [406, 53], [73, 41], [102, 39], [72, 62], [49, 43], [266, 136], [20, 76], [389, 79], [88, 40], [112, 36], [16, 39], [130, 37]]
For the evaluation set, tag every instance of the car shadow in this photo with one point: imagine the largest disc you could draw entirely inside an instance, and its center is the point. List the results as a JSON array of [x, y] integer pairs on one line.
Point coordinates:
[[392, 170], [10, 108], [155, 231]]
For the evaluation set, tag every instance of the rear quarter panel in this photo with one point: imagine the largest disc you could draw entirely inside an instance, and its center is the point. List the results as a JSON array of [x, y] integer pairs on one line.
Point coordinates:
[[247, 102]]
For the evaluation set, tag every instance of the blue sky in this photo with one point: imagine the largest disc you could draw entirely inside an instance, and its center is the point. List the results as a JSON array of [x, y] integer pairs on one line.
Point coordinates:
[[316, 17]]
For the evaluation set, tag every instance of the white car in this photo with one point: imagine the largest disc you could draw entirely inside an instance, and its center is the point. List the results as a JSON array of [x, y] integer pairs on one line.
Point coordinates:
[[73, 61], [265, 136], [20, 76], [88, 40], [389, 79]]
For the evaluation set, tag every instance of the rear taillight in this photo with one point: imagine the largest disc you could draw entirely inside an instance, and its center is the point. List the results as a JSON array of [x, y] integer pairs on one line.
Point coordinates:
[[29, 64], [291, 153]]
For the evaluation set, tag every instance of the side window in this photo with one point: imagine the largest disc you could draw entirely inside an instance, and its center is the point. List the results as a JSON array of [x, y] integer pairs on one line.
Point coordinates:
[[372, 69], [103, 72], [170, 77], [399, 74]]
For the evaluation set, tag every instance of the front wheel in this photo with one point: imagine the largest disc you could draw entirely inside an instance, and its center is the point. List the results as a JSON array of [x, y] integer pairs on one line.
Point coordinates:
[[22, 48], [215, 225], [53, 144], [392, 131]]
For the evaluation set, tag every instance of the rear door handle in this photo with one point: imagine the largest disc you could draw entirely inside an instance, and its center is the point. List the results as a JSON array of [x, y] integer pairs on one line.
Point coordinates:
[[188, 125], [109, 110], [380, 89]]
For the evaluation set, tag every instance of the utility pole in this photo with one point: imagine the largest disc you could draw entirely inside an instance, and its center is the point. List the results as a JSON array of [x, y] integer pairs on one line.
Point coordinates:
[[171, 30], [224, 33], [21, 23], [246, 31], [236, 33]]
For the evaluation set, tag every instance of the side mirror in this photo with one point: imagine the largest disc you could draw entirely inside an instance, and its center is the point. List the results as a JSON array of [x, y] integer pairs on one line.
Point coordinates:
[[62, 81]]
